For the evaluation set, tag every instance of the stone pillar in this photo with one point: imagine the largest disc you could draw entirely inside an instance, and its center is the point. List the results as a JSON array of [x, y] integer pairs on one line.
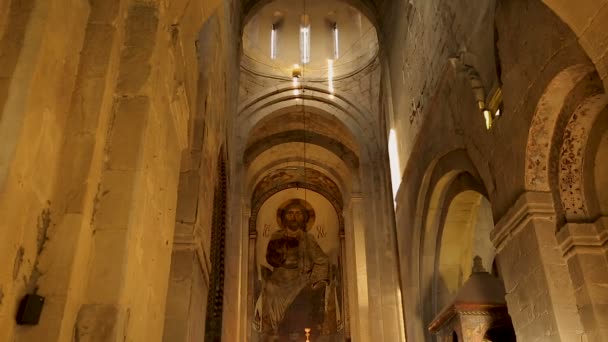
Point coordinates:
[[134, 217], [384, 285], [187, 294], [539, 292], [371, 256], [356, 270], [585, 247], [345, 297], [251, 283]]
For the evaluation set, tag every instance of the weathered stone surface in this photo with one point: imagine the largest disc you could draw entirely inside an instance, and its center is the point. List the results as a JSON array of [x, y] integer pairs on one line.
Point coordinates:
[[97, 323], [114, 114]]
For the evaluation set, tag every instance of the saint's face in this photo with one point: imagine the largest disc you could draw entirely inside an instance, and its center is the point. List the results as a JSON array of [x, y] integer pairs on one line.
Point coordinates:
[[294, 218]]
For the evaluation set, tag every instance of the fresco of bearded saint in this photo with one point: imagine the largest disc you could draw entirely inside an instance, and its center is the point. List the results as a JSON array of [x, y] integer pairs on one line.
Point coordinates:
[[293, 296]]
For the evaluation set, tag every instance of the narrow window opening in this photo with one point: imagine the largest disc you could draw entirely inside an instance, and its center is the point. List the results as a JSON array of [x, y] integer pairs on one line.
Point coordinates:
[[273, 42], [336, 41], [305, 40]]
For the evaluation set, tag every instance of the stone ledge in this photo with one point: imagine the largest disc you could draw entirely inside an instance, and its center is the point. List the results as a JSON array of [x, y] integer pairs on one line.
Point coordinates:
[[529, 206], [584, 238]]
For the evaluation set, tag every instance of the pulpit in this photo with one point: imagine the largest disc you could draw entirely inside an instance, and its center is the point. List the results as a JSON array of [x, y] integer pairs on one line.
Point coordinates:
[[478, 312]]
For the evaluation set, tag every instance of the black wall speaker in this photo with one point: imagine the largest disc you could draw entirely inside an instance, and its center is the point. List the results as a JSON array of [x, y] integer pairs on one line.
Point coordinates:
[[30, 309]]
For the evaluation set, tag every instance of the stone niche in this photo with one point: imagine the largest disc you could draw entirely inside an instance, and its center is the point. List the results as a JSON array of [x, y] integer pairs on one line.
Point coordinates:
[[478, 312]]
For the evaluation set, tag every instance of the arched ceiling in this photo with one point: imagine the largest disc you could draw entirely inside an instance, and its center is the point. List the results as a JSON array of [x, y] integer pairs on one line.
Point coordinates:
[[307, 120], [315, 129], [357, 43], [305, 134], [297, 176], [284, 98], [295, 154]]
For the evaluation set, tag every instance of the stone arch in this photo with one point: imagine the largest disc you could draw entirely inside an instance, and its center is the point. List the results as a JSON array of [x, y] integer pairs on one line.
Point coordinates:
[[596, 163], [575, 199], [334, 175], [299, 126], [317, 98], [444, 197], [299, 176], [310, 137], [586, 22], [464, 234], [293, 153], [451, 170], [551, 106]]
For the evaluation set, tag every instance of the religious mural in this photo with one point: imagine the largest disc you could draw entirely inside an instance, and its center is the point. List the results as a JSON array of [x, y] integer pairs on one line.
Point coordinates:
[[298, 277]]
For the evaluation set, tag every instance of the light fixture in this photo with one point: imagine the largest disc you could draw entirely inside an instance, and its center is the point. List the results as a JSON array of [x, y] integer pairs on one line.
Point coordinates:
[[493, 110], [487, 114], [296, 72]]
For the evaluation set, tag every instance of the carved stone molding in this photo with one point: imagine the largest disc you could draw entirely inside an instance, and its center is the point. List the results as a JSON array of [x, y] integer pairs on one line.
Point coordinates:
[[584, 238], [572, 154], [543, 125], [529, 206]]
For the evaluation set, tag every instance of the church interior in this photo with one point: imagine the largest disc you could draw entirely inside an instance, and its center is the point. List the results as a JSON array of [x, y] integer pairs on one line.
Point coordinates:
[[303, 170]]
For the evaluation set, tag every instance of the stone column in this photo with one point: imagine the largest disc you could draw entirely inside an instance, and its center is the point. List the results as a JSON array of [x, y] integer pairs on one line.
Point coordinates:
[[383, 281], [356, 270], [585, 247], [187, 293], [134, 215], [539, 292], [251, 283], [345, 297], [371, 256]]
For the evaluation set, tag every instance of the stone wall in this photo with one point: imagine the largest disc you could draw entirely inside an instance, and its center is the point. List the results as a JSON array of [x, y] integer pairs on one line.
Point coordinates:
[[216, 89], [98, 101], [435, 111]]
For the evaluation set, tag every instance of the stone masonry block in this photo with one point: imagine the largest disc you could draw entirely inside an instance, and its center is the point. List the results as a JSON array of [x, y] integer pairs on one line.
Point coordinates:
[[103, 11], [115, 200], [107, 265], [125, 145], [97, 49], [97, 323], [140, 40]]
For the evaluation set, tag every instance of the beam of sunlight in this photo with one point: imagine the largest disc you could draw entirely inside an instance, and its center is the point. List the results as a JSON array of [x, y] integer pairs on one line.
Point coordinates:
[[393, 154]]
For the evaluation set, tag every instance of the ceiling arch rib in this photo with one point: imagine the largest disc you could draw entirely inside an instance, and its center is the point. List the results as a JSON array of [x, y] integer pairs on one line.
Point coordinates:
[[292, 155], [297, 176], [320, 123], [316, 99], [280, 163], [335, 146]]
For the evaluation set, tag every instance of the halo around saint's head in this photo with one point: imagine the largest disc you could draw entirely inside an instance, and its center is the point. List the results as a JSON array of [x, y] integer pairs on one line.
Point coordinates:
[[301, 202]]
